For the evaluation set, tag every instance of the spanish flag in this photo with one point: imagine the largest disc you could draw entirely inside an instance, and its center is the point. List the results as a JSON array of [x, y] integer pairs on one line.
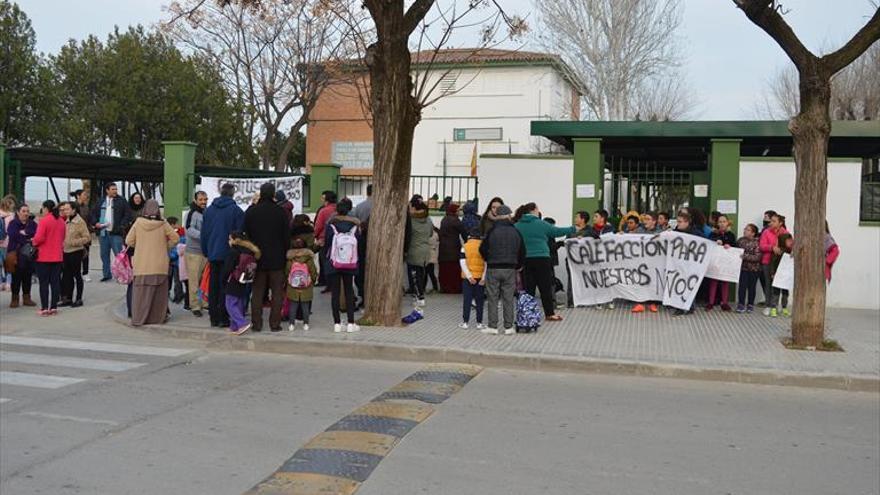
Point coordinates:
[[474, 161]]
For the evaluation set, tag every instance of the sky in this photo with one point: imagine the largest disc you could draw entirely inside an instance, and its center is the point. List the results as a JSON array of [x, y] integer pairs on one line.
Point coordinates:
[[728, 59]]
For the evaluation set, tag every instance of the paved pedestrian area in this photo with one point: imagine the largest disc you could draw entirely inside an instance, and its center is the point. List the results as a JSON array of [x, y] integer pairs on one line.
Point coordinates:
[[703, 340]]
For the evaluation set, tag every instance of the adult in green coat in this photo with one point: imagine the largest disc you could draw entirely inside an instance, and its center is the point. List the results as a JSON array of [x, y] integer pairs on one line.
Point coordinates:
[[536, 234], [418, 251]]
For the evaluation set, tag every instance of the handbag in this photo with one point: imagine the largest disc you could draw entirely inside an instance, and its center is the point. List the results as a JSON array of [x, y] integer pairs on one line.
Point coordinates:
[[27, 253], [11, 262]]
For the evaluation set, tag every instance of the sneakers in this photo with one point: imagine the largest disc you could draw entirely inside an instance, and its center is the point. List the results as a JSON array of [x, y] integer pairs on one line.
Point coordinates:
[[197, 313], [773, 313], [767, 311], [489, 331], [725, 307], [420, 303], [76, 304], [638, 308], [610, 305], [509, 331], [786, 313], [653, 308], [337, 328], [480, 326], [243, 329], [740, 308], [87, 278], [463, 325], [750, 308], [305, 327], [291, 327], [352, 328]]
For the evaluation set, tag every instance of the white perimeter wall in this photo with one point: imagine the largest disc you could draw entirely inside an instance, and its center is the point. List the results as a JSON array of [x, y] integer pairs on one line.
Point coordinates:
[[769, 185], [519, 180]]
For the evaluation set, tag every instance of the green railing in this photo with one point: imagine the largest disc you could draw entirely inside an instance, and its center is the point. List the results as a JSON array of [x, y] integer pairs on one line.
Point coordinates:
[[460, 188]]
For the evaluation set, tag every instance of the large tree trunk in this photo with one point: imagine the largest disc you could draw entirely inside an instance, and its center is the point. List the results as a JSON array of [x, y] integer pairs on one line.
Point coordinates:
[[395, 116], [811, 129]]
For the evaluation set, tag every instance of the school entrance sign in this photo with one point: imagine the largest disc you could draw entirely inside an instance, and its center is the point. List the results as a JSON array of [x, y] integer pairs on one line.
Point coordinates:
[[667, 267], [246, 188]]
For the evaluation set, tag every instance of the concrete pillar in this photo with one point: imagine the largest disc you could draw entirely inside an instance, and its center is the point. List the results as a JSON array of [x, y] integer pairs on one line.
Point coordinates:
[[4, 177], [724, 179], [589, 175], [324, 177], [179, 173]]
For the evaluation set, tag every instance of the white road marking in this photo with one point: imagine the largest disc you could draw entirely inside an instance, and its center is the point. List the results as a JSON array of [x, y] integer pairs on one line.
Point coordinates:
[[67, 362], [78, 419], [93, 346], [37, 381], [4, 400]]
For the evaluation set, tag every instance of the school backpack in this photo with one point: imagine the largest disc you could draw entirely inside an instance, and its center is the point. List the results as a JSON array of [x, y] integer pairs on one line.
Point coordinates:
[[245, 270], [299, 276], [528, 313], [344, 250], [121, 268]]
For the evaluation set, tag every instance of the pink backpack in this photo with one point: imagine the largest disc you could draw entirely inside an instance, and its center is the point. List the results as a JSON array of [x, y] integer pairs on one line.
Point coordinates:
[[299, 277], [121, 268], [344, 250]]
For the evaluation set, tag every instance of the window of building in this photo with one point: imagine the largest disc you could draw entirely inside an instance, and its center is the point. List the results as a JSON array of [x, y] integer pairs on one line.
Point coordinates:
[[869, 207]]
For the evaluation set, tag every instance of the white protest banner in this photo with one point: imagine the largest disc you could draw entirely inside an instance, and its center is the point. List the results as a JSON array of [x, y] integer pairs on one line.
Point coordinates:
[[666, 267], [725, 264], [246, 188], [784, 278]]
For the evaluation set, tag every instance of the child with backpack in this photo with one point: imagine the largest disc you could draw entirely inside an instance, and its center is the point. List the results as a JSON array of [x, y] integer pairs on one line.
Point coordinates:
[[341, 236], [239, 269], [301, 276]]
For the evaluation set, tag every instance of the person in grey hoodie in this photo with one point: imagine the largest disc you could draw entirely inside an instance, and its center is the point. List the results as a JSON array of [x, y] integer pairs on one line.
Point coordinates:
[[193, 257]]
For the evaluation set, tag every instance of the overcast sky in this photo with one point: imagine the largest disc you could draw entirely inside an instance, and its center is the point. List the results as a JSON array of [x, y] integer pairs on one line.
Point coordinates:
[[728, 58]]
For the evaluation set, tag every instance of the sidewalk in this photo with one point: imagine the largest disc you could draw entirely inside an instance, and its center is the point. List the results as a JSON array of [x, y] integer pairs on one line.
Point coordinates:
[[712, 346]]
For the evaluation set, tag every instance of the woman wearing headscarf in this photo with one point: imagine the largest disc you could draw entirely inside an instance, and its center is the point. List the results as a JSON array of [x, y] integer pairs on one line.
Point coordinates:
[[452, 234], [152, 237]]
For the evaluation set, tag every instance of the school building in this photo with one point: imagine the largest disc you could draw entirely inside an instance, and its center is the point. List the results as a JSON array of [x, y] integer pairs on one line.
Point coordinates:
[[739, 168]]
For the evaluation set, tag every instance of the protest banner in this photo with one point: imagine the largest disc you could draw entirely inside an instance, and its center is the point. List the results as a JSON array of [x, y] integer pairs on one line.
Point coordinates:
[[784, 278], [246, 188], [667, 267], [725, 264]]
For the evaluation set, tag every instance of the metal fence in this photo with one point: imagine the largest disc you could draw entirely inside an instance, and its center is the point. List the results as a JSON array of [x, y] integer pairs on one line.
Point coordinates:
[[460, 188], [869, 208], [643, 186]]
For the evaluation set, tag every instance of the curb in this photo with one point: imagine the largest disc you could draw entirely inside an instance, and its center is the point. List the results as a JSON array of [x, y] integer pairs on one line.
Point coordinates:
[[394, 352]]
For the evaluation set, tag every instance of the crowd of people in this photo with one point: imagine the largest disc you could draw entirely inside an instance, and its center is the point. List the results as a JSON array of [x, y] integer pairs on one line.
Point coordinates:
[[232, 263]]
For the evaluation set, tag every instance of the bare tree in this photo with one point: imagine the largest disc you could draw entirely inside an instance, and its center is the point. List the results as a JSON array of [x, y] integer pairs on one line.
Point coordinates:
[[626, 51], [276, 58], [855, 91], [810, 129]]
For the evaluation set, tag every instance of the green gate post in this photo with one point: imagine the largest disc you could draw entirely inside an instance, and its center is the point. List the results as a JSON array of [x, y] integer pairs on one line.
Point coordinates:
[[724, 178], [588, 169], [4, 178], [324, 177], [180, 165]]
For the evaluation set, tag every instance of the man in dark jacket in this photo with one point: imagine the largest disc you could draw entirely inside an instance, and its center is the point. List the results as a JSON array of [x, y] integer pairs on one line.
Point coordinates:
[[285, 204], [222, 218], [266, 225], [110, 217], [504, 251]]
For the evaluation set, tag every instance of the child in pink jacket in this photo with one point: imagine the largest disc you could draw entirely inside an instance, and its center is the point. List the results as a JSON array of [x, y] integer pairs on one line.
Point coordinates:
[[769, 246]]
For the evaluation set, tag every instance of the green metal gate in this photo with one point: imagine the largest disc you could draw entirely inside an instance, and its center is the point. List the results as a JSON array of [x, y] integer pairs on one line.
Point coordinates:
[[646, 186]]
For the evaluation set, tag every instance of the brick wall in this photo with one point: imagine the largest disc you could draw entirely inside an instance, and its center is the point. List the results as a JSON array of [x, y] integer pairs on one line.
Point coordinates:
[[338, 115]]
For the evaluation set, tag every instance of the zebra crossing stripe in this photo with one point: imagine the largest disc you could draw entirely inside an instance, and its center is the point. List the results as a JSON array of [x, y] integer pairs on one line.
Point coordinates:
[[67, 362], [36, 381], [81, 345], [4, 400]]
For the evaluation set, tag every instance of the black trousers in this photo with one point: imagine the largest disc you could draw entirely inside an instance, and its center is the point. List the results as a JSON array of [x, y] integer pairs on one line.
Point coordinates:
[[430, 270], [50, 284], [71, 275], [539, 273], [217, 296], [335, 288], [417, 280], [748, 282], [21, 280], [85, 260]]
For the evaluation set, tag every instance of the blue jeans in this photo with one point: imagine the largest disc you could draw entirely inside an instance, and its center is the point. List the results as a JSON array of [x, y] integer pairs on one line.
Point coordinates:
[[108, 243], [475, 293]]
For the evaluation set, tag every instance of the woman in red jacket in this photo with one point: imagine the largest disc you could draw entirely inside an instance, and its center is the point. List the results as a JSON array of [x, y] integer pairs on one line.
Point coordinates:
[[49, 241]]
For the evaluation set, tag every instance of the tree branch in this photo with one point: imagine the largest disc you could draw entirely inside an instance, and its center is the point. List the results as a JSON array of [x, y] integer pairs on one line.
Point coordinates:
[[867, 36], [414, 15], [764, 14]]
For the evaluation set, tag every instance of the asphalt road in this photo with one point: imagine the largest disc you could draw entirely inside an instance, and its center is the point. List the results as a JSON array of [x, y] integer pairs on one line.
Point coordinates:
[[90, 407]]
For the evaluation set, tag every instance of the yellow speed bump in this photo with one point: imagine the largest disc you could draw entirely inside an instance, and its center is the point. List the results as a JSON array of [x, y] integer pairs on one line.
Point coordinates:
[[465, 369], [426, 387], [282, 483], [357, 441], [410, 412]]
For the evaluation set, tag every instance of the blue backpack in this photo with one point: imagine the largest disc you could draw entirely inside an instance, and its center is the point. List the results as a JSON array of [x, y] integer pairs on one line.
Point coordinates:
[[528, 313]]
